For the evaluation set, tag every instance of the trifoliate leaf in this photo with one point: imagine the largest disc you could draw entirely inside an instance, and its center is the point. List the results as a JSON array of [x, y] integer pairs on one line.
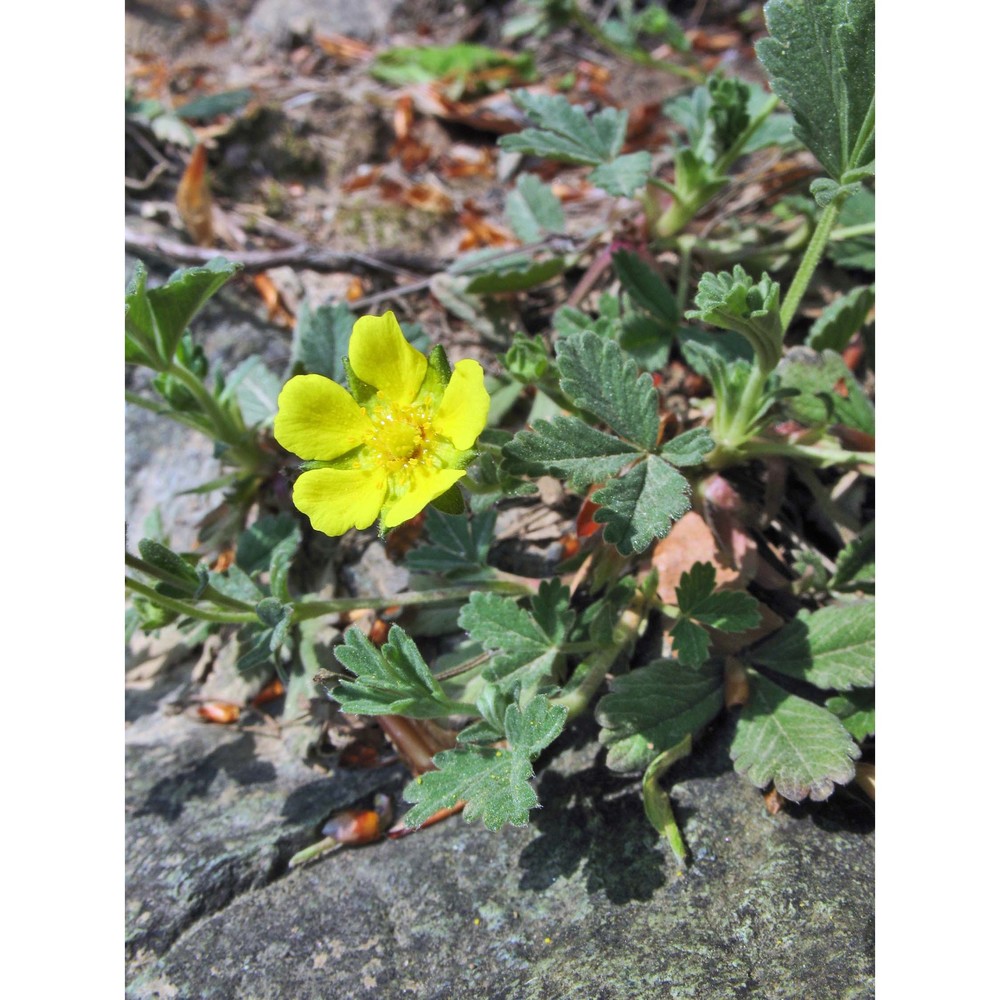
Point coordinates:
[[564, 131], [320, 341], [623, 175], [645, 287], [456, 545], [856, 710], [156, 318], [841, 319], [831, 648], [533, 211], [391, 680], [651, 709], [494, 782], [642, 505], [820, 58], [856, 563], [601, 379], [570, 449], [689, 448], [799, 746], [735, 302], [526, 645]]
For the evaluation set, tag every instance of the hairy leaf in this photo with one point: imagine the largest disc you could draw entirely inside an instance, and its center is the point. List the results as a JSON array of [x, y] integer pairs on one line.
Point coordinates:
[[456, 545], [689, 448], [651, 709], [392, 680], [600, 378], [256, 543], [642, 505], [819, 379], [831, 648], [856, 563], [533, 210], [856, 710], [320, 341], [645, 287], [624, 174], [494, 782], [801, 747], [820, 57], [568, 448], [515, 277], [841, 319], [256, 389]]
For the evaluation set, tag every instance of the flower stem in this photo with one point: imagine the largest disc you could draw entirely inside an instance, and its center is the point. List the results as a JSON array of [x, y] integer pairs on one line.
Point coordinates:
[[810, 261]]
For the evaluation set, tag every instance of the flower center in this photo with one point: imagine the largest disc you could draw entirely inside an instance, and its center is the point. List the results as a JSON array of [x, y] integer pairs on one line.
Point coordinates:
[[400, 435]]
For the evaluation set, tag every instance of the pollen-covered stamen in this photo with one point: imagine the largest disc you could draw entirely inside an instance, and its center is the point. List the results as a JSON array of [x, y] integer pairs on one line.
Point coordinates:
[[400, 434]]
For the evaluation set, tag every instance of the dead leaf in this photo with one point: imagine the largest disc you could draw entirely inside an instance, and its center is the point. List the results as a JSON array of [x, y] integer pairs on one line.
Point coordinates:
[[341, 47], [221, 712], [773, 802], [194, 199], [690, 541], [736, 683], [277, 311]]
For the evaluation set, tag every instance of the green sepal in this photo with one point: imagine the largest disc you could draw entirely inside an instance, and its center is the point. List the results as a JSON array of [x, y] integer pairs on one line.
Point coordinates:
[[361, 391]]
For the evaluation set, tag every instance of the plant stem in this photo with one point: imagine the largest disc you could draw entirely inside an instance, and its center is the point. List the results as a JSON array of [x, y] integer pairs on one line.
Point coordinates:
[[209, 592], [188, 609], [685, 244], [810, 261]]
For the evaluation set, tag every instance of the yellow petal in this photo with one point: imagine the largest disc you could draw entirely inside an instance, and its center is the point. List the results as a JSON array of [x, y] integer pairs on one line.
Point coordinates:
[[318, 419], [338, 499], [380, 356], [426, 486], [461, 416]]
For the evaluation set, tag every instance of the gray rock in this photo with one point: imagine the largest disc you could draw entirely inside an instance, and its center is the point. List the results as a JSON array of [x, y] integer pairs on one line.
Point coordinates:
[[279, 19]]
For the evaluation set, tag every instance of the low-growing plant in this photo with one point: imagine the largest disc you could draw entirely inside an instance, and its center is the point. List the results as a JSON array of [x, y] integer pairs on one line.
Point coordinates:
[[387, 429]]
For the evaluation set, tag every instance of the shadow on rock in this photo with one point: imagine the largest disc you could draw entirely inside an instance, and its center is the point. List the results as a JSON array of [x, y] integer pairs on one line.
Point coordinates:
[[593, 822]]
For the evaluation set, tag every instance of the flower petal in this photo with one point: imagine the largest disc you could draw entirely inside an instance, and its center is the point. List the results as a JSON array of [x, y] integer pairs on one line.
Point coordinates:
[[338, 499], [426, 486], [464, 406], [318, 419], [380, 356]]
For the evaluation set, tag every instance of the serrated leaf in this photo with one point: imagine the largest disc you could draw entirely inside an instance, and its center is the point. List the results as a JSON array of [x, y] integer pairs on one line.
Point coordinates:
[[645, 287], [706, 352], [321, 338], [820, 58], [642, 505], [457, 545], [391, 680], [856, 563], [533, 211], [645, 340], [601, 379], [831, 648], [725, 610], [494, 782], [565, 132], [841, 319], [568, 320], [623, 175], [856, 710], [156, 318], [568, 448], [785, 739], [689, 642], [689, 448], [653, 708]]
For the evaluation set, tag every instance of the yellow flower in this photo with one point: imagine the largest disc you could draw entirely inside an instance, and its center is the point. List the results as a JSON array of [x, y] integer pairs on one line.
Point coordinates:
[[400, 441]]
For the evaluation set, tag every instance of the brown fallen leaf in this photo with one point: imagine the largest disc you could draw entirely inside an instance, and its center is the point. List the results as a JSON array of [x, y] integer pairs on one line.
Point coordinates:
[[690, 541], [773, 802], [221, 712], [277, 311], [194, 199]]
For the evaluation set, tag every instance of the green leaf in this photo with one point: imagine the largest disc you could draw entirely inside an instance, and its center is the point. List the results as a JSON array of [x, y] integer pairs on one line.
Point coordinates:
[[856, 710], [401, 66], [564, 131], [526, 646], [391, 680], [856, 563], [320, 341], [256, 543], [735, 302], [570, 449], [282, 556], [236, 584], [209, 106], [600, 378], [817, 377], [645, 287], [623, 175], [456, 545], [642, 505], [841, 319], [821, 62], [156, 318], [181, 572], [831, 648], [255, 388], [494, 782], [645, 340], [653, 708], [857, 251], [533, 211], [689, 448], [516, 277], [799, 746]]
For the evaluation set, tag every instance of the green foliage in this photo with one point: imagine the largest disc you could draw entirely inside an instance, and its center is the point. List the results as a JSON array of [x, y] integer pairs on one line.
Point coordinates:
[[701, 605], [856, 563], [495, 783], [320, 341], [457, 546], [841, 319], [256, 545], [391, 680], [816, 379], [689, 448], [782, 738], [463, 63], [820, 58], [646, 288], [856, 251], [831, 648], [515, 276], [856, 710], [533, 211], [651, 709]]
